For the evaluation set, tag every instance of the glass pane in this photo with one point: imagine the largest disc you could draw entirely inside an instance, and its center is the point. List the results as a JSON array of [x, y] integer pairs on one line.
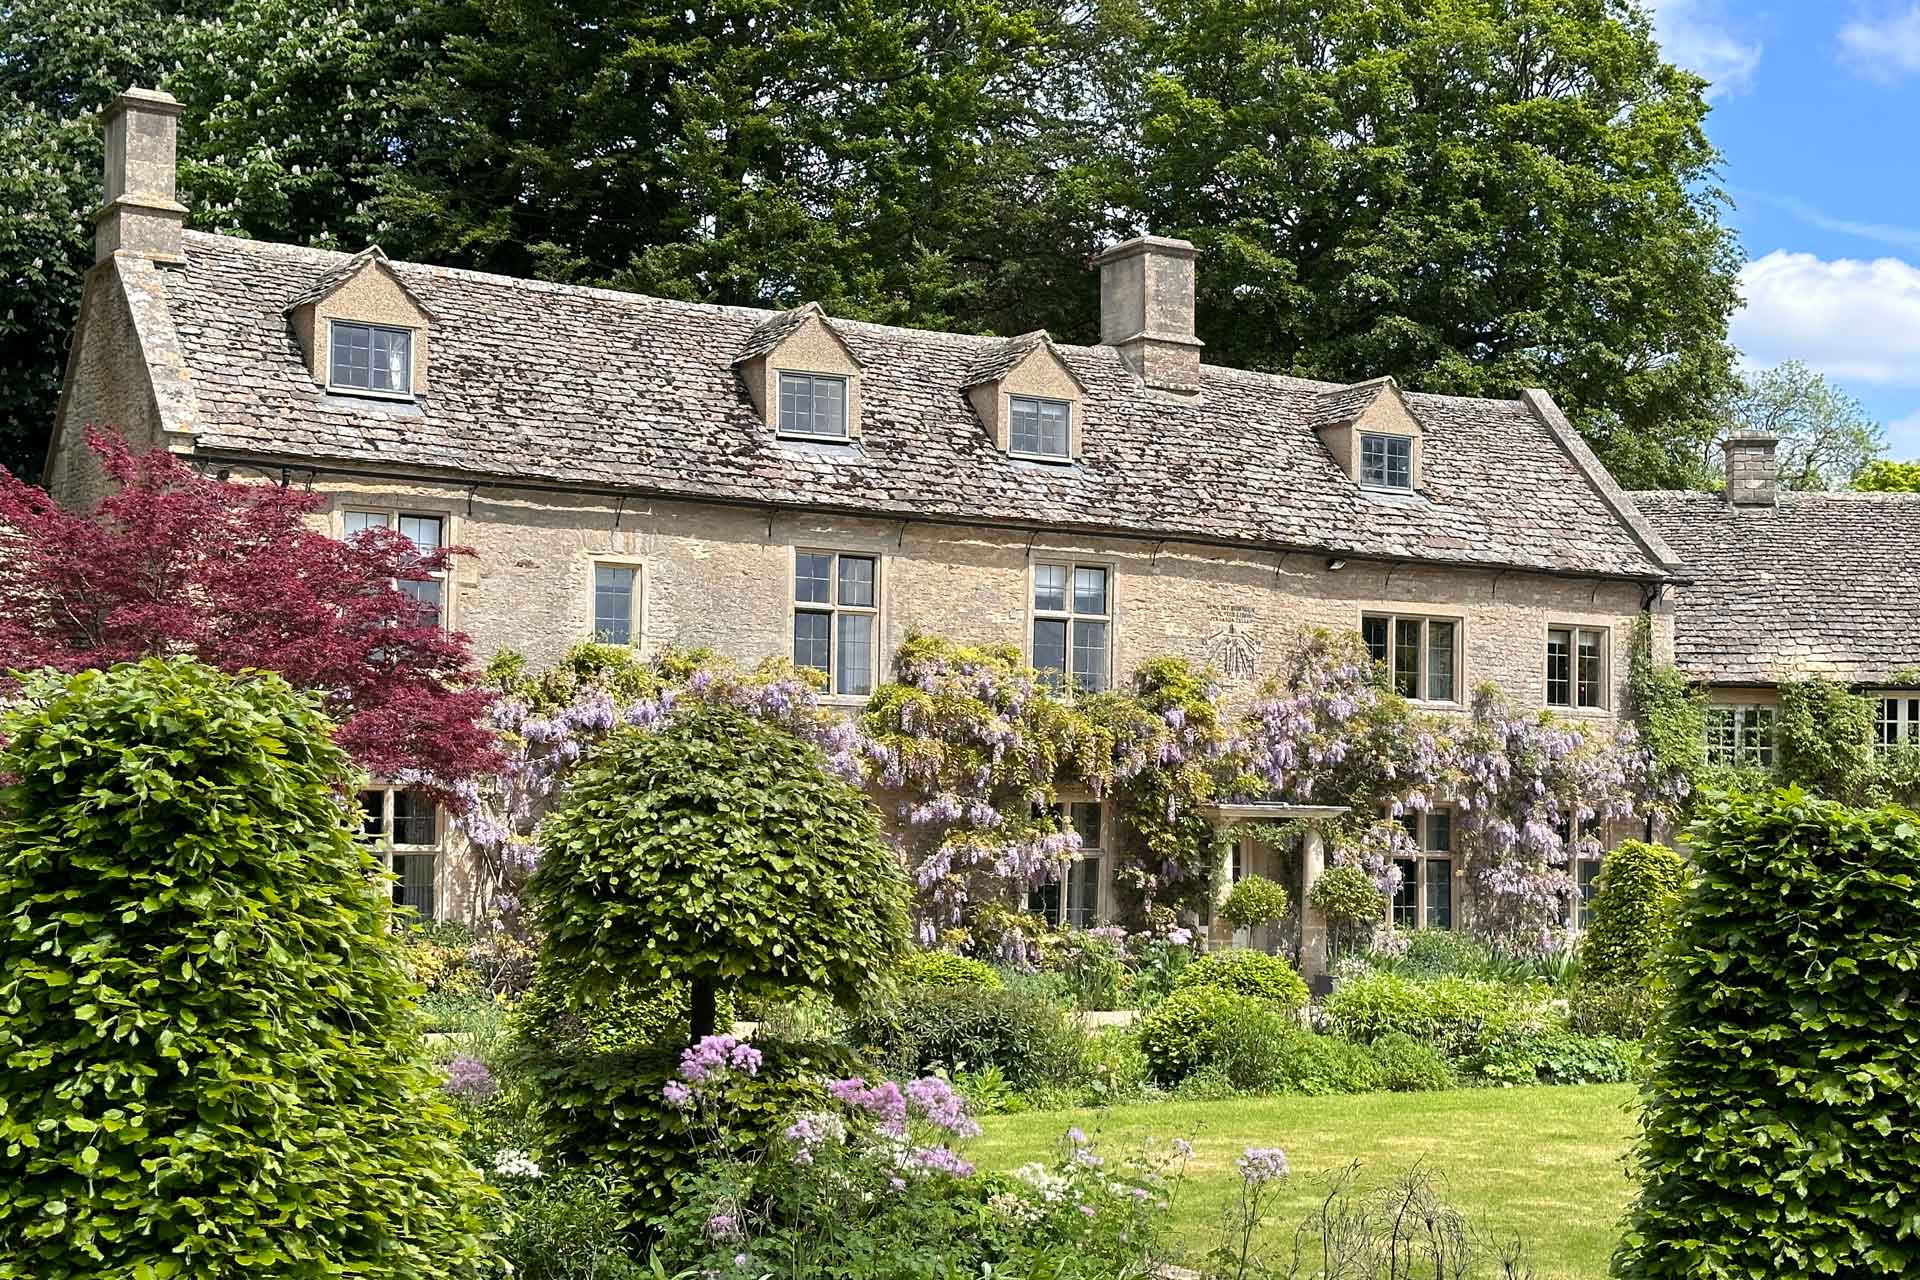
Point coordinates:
[[427, 595], [1406, 657], [1720, 735], [415, 818], [856, 581], [1045, 902], [1374, 632], [829, 407], [1050, 587], [1592, 677], [1406, 899], [352, 347], [1054, 428], [813, 578], [811, 639], [1440, 831], [413, 886], [1886, 722], [855, 673], [1024, 424], [1400, 462], [390, 366], [373, 813], [1559, 669], [1089, 590], [1373, 460], [1050, 645], [796, 401], [422, 531], [1083, 893], [1090, 655], [360, 521], [1086, 823], [1585, 875], [1440, 661], [1439, 874], [613, 603]]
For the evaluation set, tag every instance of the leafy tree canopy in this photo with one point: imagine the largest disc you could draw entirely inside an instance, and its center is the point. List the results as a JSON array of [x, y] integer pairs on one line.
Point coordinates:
[[1884, 476], [1826, 436]]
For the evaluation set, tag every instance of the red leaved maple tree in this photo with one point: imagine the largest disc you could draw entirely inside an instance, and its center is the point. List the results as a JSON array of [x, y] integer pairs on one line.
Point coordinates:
[[173, 562]]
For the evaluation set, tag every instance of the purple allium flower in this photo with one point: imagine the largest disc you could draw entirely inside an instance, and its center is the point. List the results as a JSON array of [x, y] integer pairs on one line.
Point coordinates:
[[469, 1080]]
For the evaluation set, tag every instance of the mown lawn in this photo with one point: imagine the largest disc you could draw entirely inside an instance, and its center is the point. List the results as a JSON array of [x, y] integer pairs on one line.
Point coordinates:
[[1543, 1164]]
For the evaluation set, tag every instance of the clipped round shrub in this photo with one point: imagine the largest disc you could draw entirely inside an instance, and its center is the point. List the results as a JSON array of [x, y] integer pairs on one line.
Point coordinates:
[[946, 969], [1251, 973], [1177, 1035], [1031, 1040], [1408, 1065], [1252, 902], [211, 1061], [1777, 1135], [1348, 897], [1621, 984]]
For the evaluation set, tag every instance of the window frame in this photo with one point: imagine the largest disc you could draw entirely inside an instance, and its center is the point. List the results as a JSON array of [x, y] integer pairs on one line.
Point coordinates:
[[413, 358], [1062, 911], [834, 611], [1422, 908], [1069, 683], [1905, 722], [1742, 719], [391, 850], [1576, 680], [1393, 619], [1391, 438], [784, 432], [1066, 452], [636, 607], [393, 516]]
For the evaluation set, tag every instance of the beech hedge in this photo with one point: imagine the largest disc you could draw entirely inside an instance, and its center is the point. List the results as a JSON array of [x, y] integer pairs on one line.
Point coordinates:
[[1783, 1097]]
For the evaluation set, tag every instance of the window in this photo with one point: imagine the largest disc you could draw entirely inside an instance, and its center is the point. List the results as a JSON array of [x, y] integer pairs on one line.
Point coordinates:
[[425, 532], [371, 357], [1576, 667], [615, 589], [405, 825], [1896, 720], [1586, 873], [1072, 614], [834, 618], [813, 404], [1040, 427], [1740, 736], [1421, 654], [1424, 899], [1386, 461], [1080, 905]]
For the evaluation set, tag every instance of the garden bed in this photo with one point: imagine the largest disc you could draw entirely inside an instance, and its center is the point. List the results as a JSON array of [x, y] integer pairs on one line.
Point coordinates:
[[1540, 1163]]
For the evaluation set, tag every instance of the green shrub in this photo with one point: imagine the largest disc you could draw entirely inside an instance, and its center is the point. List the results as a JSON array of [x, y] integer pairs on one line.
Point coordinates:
[[212, 1065], [1252, 902], [1251, 973], [1207, 1084], [1597, 1009], [1349, 899], [1620, 980], [1443, 953], [1407, 1065], [1778, 1130], [1322, 1065], [1177, 1035], [1245, 1045], [1448, 1013], [1031, 1040], [1114, 1069], [947, 969], [567, 1225]]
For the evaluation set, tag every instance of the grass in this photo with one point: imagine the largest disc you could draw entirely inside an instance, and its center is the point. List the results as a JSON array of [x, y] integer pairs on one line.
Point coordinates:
[[1543, 1164]]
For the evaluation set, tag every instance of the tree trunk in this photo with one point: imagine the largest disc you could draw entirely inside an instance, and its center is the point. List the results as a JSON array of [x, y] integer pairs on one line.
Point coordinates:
[[705, 1010]]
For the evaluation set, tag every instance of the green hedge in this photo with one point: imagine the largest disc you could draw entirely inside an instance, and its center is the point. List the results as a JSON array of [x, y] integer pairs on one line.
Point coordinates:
[[1784, 1092], [1251, 973], [209, 1065], [1448, 1013], [947, 969], [1032, 1040], [1620, 983]]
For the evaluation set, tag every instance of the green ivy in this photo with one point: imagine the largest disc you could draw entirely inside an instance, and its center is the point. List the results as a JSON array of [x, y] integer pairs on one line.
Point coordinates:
[[1824, 739], [1778, 1133], [209, 1066], [1667, 708]]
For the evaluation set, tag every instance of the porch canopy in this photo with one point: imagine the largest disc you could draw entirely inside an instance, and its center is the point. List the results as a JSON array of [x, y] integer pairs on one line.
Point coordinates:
[[1313, 860]]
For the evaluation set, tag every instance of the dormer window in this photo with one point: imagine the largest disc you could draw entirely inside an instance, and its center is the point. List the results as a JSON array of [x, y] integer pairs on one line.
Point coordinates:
[[1386, 461], [370, 357], [813, 405], [1041, 428]]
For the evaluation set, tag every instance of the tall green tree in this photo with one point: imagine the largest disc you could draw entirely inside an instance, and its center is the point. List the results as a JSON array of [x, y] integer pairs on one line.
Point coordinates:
[[1885, 476], [1826, 436], [1473, 195]]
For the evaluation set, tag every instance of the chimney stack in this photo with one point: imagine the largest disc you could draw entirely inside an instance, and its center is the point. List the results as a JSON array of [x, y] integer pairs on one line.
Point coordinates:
[[140, 214], [1146, 310], [1753, 474]]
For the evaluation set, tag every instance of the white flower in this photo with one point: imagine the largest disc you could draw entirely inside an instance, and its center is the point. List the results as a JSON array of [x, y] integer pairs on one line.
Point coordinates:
[[509, 1163], [1052, 1187]]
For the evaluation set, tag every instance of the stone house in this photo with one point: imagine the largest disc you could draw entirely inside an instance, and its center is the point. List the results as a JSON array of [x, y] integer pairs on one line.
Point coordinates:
[[1785, 585], [668, 473]]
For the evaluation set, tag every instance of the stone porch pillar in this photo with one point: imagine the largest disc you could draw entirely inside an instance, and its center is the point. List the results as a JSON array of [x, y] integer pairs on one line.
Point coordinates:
[[1313, 923]]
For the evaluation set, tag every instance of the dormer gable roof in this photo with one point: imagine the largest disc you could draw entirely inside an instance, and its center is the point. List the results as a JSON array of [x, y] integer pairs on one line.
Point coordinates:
[[332, 280], [776, 329], [1344, 406], [996, 362]]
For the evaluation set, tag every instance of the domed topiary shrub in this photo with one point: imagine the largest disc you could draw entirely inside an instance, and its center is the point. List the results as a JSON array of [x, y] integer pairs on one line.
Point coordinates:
[[1250, 973], [1252, 902], [947, 969], [1620, 982], [1349, 899], [208, 1058], [1178, 1034]]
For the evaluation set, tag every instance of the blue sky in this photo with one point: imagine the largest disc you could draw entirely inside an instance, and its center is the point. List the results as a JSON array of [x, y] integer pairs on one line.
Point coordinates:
[[1816, 105]]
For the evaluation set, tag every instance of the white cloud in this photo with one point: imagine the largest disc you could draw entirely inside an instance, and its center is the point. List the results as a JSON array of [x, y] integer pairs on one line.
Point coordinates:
[[1856, 321], [1895, 234], [1903, 436], [1701, 36], [1885, 46]]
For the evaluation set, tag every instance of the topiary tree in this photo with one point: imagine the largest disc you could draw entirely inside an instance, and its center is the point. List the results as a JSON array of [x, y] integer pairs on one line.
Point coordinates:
[[1253, 902], [718, 850], [1620, 980], [208, 1061], [1350, 900], [1778, 1134]]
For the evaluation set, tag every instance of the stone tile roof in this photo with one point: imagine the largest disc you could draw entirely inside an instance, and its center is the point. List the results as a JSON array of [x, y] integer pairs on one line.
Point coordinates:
[[995, 362], [1342, 405], [1822, 584], [561, 384], [348, 268], [772, 331]]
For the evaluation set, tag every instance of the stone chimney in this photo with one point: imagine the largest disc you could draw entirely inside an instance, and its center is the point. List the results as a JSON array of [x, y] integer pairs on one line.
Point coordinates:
[[1753, 476], [1146, 310], [140, 214]]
